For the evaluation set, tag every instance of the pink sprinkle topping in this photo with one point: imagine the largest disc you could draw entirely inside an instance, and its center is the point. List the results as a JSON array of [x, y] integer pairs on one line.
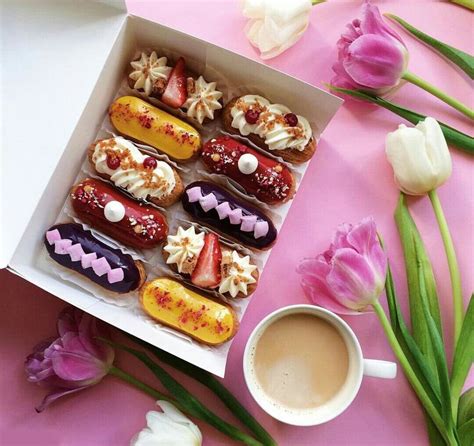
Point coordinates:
[[53, 236], [115, 275], [61, 246], [208, 202], [76, 252], [261, 229], [235, 216], [87, 259], [101, 266], [194, 194], [248, 223], [223, 210]]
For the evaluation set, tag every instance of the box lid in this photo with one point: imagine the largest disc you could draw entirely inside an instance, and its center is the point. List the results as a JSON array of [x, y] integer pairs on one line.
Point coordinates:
[[52, 54]]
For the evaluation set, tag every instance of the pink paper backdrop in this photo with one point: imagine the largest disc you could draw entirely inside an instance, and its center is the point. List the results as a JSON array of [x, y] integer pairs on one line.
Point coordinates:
[[348, 179]]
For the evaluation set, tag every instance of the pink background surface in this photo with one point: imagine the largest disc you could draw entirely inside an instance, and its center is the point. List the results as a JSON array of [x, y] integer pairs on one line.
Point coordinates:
[[348, 179]]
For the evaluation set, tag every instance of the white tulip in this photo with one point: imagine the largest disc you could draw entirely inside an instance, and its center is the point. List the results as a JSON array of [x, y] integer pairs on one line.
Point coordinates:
[[168, 428], [419, 156], [275, 25]]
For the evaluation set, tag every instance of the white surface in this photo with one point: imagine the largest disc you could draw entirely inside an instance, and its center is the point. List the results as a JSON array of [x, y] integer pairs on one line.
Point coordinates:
[[52, 54]]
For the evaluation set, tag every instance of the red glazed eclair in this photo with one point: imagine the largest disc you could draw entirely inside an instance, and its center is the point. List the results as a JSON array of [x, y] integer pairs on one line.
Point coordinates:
[[105, 208], [266, 178]]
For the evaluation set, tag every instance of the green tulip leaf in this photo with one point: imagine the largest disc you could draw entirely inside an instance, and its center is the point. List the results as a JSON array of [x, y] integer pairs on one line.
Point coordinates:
[[466, 433], [464, 352], [466, 407], [453, 136], [438, 348], [410, 348], [469, 4], [460, 58], [213, 384], [409, 234], [187, 402]]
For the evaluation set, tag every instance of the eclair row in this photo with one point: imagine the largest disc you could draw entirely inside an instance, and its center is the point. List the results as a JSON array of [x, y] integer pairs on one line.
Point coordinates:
[[124, 205]]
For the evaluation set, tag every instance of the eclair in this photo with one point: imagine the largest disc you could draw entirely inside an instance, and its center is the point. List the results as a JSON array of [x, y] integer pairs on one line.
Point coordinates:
[[147, 124], [110, 211], [207, 263], [267, 179], [273, 127], [214, 206], [142, 176], [175, 86], [77, 249], [178, 307]]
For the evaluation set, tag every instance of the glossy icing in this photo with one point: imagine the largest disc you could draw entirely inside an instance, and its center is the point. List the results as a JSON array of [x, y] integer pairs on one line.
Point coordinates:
[[271, 124], [150, 125], [142, 225], [227, 215], [203, 99], [271, 182], [76, 249], [131, 174], [178, 307]]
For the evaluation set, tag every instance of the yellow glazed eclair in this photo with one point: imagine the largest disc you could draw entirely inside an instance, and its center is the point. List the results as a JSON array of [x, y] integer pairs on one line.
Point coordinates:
[[147, 124], [178, 307]]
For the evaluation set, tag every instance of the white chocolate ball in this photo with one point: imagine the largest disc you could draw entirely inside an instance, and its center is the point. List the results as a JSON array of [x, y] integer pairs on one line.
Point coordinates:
[[248, 163], [114, 211]]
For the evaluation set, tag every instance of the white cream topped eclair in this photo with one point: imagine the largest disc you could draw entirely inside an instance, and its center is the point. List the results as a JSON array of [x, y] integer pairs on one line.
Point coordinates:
[[272, 127], [175, 86], [142, 176], [209, 264]]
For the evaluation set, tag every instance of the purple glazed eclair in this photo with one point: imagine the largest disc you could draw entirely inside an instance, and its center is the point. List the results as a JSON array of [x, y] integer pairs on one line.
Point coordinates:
[[212, 205], [75, 248]]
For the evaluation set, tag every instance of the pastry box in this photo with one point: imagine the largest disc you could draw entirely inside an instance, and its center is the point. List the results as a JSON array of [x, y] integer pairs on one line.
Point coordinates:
[[70, 64]]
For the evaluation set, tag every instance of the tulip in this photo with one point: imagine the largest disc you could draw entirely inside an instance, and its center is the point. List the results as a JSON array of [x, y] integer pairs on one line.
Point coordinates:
[[421, 163], [350, 275], [419, 156], [373, 58], [72, 362], [275, 25], [169, 427]]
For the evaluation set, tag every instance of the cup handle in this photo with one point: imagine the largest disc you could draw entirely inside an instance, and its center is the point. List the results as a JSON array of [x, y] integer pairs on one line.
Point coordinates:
[[380, 369]]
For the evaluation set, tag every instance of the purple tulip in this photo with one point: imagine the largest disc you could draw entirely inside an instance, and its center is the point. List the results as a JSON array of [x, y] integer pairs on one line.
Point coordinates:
[[72, 362], [350, 275], [371, 56]]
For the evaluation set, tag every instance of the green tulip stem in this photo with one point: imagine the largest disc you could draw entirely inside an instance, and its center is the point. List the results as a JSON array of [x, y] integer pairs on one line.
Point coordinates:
[[410, 374], [458, 307], [418, 81], [124, 376], [466, 3], [316, 2]]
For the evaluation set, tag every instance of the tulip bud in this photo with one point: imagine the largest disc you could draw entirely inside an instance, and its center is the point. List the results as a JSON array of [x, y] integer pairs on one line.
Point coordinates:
[[419, 157], [350, 275]]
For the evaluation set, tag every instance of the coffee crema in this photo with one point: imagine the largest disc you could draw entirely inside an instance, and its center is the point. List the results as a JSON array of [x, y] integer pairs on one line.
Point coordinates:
[[301, 361]]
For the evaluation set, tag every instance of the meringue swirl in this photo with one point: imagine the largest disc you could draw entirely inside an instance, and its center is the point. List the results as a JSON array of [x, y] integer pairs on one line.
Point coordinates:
[[184, 248], [236, 273], [271, 124], [149, 69], [203, 99]]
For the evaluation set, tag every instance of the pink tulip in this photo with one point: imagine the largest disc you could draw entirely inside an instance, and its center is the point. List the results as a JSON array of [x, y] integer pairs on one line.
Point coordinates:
[[72, 362], [350, 275], [371, 56]]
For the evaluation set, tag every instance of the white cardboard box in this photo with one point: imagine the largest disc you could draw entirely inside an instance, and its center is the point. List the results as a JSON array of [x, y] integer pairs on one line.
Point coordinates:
[[62, 63]]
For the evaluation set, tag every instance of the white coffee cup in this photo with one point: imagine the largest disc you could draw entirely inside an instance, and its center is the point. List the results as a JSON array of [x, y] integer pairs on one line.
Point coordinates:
[[358, 367]]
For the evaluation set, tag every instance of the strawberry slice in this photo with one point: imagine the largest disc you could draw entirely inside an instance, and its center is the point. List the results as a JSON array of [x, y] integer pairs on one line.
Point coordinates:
[[207, 273], [176, 91]]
